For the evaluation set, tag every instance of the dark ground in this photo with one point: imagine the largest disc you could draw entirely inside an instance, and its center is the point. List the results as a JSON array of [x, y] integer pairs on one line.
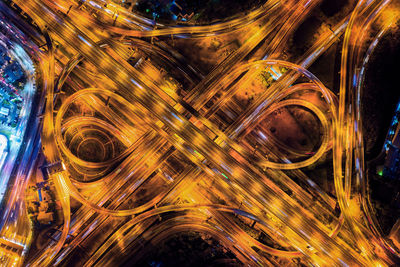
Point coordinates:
[[203, 11], [379, 101], [380, 92], [188, 249]]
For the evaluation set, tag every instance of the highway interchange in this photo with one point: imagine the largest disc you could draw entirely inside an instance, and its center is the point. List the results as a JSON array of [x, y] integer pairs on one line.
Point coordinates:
[[83, 61]]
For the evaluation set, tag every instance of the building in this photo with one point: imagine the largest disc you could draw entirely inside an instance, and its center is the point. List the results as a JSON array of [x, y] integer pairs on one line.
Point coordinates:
[[13, 72], [45, 217]]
